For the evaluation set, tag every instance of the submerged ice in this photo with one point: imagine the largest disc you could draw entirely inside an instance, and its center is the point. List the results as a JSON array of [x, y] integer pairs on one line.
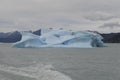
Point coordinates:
[[60, 38]]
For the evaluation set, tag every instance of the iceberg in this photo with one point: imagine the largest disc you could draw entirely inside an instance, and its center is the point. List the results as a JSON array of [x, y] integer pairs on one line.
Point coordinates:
[[60, 38], [28, 40]]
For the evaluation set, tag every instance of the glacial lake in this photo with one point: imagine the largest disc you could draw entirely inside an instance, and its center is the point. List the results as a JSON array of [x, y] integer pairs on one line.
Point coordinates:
[[60, 63]]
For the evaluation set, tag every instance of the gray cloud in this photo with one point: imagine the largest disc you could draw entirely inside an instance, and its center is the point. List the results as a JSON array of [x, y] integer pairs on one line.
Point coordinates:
[[4, 22], [110, 25], [99, 16], [67, 21], [35, 13]]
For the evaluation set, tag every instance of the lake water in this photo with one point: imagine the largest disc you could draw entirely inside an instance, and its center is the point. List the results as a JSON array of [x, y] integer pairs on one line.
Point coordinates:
[[60, 63]]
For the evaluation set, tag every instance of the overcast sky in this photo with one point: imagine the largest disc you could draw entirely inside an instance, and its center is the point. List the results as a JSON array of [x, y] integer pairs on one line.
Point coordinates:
[[99, 15]]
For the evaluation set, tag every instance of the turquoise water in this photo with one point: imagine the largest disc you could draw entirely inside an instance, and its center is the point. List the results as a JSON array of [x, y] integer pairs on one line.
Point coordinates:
[[60, 63]]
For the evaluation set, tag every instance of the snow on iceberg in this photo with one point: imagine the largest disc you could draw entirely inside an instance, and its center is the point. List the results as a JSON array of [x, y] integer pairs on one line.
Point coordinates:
[[60, 38]]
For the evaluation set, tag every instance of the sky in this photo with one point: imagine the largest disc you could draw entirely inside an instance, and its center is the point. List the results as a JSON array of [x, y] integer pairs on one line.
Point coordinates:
[[95, 15]]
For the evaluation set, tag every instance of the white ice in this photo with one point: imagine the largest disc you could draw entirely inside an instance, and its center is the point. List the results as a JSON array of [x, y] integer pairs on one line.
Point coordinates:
[[60, 38]]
